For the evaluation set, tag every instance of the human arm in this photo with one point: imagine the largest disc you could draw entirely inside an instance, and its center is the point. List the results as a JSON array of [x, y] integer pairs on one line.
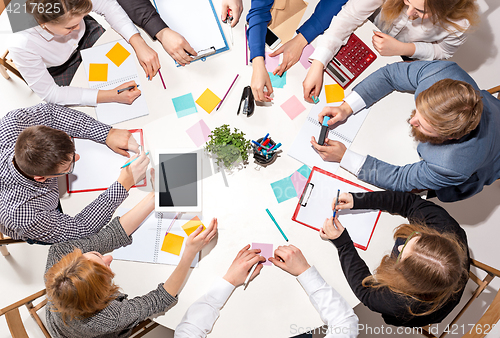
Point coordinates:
[[261, 81], [201, 315], [147, 57], [236, 8], [386, 45]]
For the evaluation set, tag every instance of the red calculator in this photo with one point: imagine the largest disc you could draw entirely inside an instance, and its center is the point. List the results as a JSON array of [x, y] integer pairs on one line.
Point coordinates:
[[351, 60]]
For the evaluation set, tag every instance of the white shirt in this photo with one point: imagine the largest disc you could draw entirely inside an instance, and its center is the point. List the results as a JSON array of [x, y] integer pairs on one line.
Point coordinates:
[[35, 49], [432, 42], [334, 311]]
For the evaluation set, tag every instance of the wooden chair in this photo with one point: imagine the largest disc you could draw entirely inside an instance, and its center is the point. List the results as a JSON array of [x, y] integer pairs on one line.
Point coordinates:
[[492, 314], [8, 65], [13, 317], [143, 328], [495, 90], [7, 240]]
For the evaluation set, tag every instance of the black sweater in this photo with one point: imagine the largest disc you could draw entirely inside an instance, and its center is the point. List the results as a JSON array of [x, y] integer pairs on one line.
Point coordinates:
[[394, 306]]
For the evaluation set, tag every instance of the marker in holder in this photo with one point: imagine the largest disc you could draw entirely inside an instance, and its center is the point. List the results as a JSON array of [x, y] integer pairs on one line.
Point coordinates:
[[261, 156]]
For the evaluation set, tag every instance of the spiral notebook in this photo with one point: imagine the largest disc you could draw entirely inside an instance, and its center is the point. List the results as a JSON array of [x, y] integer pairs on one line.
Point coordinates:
[[149, 242], [345, 132], [108, 66]]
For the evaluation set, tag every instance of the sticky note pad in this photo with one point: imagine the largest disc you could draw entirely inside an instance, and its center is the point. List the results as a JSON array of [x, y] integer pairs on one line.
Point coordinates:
[[305, 171], [334, 93], [284, 189], [172, 244], [199, 133], [118, 54], [208, 100], [266, 251], [98, 72], [277, 81], [293, 107], [306, 53], [192, 225], [272, 62], [184, 105], [299, 182]]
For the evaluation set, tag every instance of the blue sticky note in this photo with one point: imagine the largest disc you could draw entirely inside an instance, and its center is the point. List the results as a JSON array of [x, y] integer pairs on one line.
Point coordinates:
[[278, 81], [305, 171], [284, 189], [184, 105]]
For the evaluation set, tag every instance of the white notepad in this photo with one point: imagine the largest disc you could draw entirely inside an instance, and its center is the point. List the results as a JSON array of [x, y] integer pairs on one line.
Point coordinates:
[[98, 166], [112, 113], [148, 238], [315, 205], [345, 132]]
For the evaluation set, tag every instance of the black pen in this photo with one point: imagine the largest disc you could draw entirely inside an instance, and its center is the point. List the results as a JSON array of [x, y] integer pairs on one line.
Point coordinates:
[[127, 88]]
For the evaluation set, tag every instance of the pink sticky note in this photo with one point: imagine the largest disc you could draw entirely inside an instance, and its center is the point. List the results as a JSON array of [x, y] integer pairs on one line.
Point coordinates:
[[293, 107], [299, 182], [306, 53], [272, 62], [199, 133], [266, 251]]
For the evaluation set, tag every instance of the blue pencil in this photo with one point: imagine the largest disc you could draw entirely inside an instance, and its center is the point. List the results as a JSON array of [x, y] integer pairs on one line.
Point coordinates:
[[128, 163], [270, 215]]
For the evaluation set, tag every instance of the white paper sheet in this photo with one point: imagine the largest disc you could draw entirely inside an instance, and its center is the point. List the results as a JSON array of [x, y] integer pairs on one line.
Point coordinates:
[[111, 113]]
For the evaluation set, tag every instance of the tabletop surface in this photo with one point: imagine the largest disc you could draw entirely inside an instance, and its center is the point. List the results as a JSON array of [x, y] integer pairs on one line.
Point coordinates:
[[274, 300]]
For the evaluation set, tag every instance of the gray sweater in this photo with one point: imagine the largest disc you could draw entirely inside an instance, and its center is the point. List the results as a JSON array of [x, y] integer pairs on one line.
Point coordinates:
[[122, 314]]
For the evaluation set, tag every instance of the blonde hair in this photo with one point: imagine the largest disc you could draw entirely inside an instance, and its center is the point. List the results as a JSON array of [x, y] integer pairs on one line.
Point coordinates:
[[453, 108], [435, 271], [79, 287], [58, 9], [444, 13]]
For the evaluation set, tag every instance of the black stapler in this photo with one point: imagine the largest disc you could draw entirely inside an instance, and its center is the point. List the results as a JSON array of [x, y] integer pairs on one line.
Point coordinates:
[[247, 101]]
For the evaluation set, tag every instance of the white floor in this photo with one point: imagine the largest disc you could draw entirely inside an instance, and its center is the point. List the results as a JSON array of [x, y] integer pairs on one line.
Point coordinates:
[[480, 216]]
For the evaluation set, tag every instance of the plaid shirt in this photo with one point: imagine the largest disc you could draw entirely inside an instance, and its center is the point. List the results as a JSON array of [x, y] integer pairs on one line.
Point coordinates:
[[28, 209]]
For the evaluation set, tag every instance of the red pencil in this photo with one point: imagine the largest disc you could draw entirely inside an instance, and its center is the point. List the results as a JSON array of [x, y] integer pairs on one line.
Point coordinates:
[[161, 77], [231, 86]]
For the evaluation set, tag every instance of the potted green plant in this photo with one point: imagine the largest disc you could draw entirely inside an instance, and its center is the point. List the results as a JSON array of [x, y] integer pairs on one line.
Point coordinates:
[[229, 148]]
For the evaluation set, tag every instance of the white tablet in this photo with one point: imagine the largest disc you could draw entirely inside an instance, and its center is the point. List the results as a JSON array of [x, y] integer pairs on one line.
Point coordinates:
[[178, 180]]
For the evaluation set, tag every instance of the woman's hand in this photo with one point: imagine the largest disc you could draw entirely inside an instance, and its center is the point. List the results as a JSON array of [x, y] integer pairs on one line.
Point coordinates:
[[199, 238], [292, 50], [386, 45], [346, 201], [260, 80], [331, 231], [313, 82]]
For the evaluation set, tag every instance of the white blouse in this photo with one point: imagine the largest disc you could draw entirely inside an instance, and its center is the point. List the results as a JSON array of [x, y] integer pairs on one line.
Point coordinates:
[[432, 42], [35, 49]]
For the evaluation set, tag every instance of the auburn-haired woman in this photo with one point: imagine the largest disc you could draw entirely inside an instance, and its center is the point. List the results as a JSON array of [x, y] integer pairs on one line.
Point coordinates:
[[423, 278], [48, 54], [414, 29], [84, 301]]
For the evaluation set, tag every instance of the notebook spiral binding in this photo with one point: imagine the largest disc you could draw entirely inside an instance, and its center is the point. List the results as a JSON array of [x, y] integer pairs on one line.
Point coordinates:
[[115, 82], [159, 215], [332, 131]]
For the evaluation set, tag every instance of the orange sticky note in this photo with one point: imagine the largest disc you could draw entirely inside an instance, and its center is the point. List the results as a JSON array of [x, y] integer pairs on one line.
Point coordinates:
[[118, 54], [98, 72], [192, 225], [172, 244], [334, 93], [208, 101]]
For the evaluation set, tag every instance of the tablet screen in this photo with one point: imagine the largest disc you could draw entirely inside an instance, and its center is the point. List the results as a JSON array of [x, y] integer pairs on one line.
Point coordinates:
[[178, 180]]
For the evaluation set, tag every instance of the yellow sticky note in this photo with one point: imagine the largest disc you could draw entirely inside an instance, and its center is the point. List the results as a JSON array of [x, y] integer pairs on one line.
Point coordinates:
[[118, 54], [98, 72], [192, 225], [208, 100], [172, 244], [334, 93]]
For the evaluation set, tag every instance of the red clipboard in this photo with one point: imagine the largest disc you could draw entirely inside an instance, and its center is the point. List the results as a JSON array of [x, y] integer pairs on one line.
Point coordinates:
[[142, 184], [319, 202]]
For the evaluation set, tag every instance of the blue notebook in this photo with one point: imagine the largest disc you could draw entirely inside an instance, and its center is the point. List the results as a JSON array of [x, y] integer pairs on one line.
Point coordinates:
[[201, 27]]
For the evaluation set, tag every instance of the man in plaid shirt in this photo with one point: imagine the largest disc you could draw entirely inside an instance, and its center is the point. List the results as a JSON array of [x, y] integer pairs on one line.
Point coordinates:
[[36, 148]]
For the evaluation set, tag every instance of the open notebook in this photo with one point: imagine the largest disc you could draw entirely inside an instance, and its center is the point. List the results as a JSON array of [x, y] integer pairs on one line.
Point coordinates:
[[196, 21], [345, 132], [315, 205], [150, 245], [108, 66]]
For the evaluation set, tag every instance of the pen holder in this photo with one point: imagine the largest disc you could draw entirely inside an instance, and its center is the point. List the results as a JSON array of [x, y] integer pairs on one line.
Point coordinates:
[[261, 159]]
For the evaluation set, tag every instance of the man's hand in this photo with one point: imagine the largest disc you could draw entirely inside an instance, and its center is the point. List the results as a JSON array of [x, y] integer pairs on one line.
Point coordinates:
[[336, 114], [333, 151], [199, 238], [176, 46], [260, 79], [330, 231], [239, 269], [313, 82], [292, 50], [147, 57], [346, 201], [290, 259], [121, 140], [386, 45], [135, 172], [236, 7]]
